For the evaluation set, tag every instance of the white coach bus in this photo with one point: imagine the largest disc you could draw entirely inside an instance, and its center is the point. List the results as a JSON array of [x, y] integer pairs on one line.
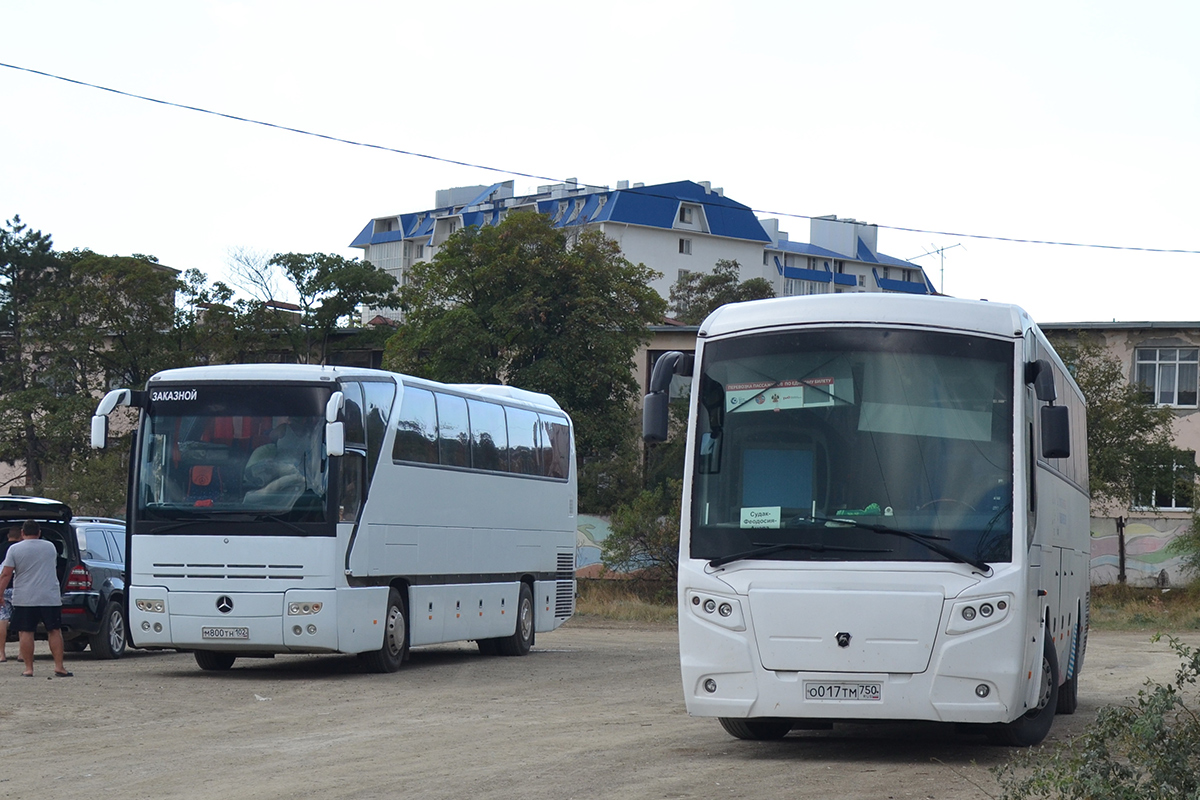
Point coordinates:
[[306, 509], [885, 516]]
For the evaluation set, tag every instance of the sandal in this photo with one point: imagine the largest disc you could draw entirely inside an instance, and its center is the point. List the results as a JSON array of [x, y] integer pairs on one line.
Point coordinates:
[[58, 674]]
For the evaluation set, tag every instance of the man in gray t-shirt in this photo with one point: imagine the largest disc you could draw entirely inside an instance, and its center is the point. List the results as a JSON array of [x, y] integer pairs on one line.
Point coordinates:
[[31, 565]]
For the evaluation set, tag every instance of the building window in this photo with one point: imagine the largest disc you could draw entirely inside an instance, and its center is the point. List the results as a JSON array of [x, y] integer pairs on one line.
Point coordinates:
[[795, 287], [685, 215], [1172, 488], [862, 280], [682, 274], [1167, 375], [685, 246]]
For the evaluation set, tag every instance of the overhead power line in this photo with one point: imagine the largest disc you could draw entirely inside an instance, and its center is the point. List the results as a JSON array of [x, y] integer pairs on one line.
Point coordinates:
[[534, 176]]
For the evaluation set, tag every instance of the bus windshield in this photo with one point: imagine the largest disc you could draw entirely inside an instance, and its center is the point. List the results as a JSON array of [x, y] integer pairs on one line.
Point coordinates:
[[903, 430], [245, 452]]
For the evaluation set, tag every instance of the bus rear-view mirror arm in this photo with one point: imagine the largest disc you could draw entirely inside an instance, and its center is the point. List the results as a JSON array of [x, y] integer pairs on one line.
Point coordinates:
[[655, 417], [117, 397]]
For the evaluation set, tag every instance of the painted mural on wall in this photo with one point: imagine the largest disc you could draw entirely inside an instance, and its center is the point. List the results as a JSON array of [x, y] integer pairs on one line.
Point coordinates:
[[588, 537], [1148, 560]]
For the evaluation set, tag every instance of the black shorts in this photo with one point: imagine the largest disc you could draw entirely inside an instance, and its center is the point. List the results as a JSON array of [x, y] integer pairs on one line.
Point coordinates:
[[26, 618]]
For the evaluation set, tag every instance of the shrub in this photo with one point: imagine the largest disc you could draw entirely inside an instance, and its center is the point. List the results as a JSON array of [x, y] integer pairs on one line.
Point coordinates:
[[1148, 749]]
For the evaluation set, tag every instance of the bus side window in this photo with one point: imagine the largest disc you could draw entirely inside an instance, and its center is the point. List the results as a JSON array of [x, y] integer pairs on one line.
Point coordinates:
[[355, 433], [453, 431], [489, 436], [416, 429], [379, 396], [556, 447], [523, 441], [351, 492]]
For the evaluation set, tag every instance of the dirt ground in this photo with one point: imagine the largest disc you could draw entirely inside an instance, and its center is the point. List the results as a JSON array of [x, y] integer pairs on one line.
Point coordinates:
[[595, 711]]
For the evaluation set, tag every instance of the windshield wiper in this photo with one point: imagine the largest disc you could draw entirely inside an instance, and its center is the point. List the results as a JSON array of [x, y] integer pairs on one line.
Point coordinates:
[[928, 541], [764, 549]]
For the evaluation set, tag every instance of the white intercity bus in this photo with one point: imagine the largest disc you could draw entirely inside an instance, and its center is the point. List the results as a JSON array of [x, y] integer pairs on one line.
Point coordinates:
[[305, 509], [885, 517]]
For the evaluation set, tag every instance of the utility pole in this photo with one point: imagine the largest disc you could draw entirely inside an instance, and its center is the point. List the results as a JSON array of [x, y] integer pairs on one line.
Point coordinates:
[[941, 253]]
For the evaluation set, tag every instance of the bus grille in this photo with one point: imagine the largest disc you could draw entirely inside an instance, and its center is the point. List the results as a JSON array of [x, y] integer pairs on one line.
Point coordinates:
[[564, 599], [208, 571], [566, 564]]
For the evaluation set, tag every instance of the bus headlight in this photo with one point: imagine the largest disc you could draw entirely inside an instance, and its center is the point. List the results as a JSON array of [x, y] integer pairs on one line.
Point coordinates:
[[151, 606], [970, 615], [723, 611], [299, 609]]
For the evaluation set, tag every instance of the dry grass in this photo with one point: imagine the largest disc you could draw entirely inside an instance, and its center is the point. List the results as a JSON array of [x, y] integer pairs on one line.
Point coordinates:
[[1126, 608], [625, 600]]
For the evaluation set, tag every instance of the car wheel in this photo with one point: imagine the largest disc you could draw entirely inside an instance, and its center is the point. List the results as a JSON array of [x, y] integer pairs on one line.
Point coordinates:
[[109, 642]]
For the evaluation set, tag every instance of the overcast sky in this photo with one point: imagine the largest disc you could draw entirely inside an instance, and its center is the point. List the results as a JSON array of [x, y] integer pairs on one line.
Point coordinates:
[[1059, 121]]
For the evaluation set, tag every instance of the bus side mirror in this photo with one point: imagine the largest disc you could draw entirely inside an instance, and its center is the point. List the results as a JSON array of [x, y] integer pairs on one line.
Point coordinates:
[[335, 438], [1056, 432], [335, 430], [655, 419], [117, 397], [99, 432]]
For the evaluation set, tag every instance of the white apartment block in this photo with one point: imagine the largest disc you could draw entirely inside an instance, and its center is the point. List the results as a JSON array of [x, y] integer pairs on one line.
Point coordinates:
[[673, 228]]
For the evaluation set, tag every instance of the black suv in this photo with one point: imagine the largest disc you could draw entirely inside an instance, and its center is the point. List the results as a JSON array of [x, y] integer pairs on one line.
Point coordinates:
[[91, 563]]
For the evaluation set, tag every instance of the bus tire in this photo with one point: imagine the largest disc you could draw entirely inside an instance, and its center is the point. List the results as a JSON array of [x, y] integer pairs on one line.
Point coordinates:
[[522, 638], [109, 642], [395, 638], [756, 728], [209, 661], [1031, 727]]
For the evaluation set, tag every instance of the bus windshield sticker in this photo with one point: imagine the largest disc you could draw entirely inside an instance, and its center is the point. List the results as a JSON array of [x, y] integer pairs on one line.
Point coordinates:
[[762, 517], [774, 396]]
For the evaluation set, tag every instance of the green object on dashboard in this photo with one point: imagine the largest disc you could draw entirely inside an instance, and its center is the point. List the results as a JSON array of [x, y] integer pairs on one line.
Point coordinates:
[[872, 510]]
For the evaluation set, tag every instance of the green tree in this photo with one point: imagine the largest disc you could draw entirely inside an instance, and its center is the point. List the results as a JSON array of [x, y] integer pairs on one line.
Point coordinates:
[[644, 534], [331, 290], [34, 378], [515, 304], [697, 294], [1130, 446]]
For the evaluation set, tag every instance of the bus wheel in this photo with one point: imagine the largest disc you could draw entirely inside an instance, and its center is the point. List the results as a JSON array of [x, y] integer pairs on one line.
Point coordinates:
[[214, 662], [1031, 727], [522, 639], [757, 728], [395, 638]]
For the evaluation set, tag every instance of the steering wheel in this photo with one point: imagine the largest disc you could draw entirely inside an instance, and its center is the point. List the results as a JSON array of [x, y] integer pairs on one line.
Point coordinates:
[[947, 500]]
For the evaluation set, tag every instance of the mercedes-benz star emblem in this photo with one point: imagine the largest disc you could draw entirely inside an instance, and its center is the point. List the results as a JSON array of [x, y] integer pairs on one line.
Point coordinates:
[[224, 604]]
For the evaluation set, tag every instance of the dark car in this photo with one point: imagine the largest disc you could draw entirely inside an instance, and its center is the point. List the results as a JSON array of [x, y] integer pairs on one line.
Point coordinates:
[[91, 562]]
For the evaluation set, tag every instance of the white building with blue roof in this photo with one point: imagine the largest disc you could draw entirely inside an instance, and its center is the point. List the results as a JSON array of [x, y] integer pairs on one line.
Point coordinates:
[[673, 228]]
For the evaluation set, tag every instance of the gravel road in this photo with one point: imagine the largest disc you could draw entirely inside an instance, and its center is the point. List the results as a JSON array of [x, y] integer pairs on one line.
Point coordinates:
[[595, 711]]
